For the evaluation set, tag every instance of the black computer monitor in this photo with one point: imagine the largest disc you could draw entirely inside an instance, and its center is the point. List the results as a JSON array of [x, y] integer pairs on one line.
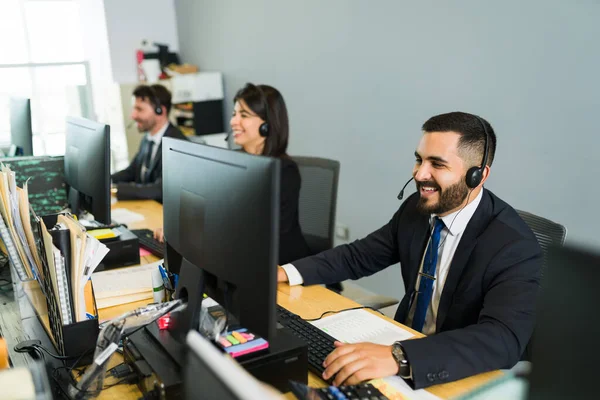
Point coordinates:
[[221, 227], [565, 342], [20, 127], [211, 375], [87, 168]]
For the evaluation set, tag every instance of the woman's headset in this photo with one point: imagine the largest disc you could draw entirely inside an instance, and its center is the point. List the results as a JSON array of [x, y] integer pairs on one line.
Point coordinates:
[[263, 130]]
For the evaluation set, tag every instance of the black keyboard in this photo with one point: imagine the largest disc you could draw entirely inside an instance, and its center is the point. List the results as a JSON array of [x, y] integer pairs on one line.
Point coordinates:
[[319, 343], [354, 392], [147, 241]]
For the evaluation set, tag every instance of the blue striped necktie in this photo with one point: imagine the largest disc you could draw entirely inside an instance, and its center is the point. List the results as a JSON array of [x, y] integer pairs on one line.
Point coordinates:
[[427, 277]]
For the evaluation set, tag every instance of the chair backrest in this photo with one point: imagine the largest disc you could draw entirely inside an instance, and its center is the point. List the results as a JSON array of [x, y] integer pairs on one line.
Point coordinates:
[[318, 200], [547, 232]]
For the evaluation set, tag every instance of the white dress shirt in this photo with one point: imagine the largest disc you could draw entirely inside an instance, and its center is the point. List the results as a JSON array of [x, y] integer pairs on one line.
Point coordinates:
[[455, 225], [156, 138]]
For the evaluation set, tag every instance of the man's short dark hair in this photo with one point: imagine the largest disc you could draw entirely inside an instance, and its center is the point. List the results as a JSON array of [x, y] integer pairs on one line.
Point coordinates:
[[155, 95], [472, 135]]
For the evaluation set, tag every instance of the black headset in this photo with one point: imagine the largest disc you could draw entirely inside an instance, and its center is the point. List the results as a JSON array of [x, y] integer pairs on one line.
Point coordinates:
[[157, 105], [263, 130], [475, 174]]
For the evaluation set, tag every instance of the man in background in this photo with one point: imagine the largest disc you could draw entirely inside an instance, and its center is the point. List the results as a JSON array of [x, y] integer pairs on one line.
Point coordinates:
[[142, 179]]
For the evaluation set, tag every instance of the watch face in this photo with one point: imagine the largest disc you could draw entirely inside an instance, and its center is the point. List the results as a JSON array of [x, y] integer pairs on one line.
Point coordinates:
[[397, 353]]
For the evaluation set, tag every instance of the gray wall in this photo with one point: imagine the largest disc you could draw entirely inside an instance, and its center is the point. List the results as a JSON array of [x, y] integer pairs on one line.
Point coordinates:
[[360, 77]]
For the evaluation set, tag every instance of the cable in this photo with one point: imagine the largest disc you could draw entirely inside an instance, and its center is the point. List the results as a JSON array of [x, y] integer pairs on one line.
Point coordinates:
[[339, 311], [226, 295], [78, 357]]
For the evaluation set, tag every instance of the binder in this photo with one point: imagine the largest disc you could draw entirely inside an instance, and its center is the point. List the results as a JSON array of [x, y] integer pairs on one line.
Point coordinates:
[[63, 288], [62, 240]]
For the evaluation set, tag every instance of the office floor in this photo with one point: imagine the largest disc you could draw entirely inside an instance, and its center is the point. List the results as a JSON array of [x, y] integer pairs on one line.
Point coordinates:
[[356, 293]]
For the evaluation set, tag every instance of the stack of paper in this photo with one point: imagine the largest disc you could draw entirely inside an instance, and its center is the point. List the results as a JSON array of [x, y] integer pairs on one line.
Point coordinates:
[[12, 230], [65, 252], [125, 216], [124, 285]]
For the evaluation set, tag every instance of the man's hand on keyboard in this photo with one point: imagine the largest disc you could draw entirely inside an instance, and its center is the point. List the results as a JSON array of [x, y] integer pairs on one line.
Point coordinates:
[[159, 235], [355, 363]]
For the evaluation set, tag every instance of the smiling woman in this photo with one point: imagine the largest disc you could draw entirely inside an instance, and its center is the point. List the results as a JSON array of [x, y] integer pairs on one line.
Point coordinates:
[[260, 125]]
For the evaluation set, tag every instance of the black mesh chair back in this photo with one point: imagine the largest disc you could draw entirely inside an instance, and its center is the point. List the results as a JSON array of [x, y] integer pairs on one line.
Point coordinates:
[[547, 233], [318, 199]]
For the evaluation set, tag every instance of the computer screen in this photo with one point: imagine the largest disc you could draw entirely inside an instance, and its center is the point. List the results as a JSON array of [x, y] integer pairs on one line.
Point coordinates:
[[221, 227], [565, 341], [87, 168], [20, 126], [212, 375]]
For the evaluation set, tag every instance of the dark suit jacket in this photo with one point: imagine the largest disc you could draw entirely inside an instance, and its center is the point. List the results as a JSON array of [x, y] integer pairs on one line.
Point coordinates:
[[487, 308], [292, 244], [129, 181]]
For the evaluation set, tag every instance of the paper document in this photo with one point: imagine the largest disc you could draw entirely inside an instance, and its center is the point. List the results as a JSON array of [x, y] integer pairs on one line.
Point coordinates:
[[78, 242], [26, 219], [124, 285], [395, 387], [356, 326], [124, 216], [118, 300]]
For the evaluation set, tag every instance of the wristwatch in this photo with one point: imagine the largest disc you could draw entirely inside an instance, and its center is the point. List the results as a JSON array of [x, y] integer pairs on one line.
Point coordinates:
[[403, 365]]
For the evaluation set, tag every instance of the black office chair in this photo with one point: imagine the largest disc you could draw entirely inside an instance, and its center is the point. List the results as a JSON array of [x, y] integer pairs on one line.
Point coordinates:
[[548, 233], [317, 203], [317, 206]]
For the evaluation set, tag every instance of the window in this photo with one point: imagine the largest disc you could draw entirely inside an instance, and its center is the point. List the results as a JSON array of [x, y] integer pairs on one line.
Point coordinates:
[[42, 58]]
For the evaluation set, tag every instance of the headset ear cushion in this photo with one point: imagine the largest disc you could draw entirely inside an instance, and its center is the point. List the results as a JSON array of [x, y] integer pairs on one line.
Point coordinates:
[[264, 129], [158, 110], [474, 177]]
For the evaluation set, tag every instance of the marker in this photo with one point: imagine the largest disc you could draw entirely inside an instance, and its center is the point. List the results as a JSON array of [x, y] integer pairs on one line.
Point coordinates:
[[158, 288]]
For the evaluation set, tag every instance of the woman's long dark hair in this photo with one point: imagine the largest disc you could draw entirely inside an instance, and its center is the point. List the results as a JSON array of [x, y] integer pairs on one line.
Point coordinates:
[[266, 102]]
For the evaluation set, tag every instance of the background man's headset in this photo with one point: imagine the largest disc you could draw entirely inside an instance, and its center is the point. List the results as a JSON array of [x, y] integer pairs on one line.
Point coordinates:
[[156, 102]]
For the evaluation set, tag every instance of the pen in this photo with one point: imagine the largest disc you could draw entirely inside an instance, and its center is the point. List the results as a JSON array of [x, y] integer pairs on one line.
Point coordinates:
[[165, 279]]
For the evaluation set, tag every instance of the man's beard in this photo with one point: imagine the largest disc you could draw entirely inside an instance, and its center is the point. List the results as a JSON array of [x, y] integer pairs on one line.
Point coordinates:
[[145, 126], [449, 198]]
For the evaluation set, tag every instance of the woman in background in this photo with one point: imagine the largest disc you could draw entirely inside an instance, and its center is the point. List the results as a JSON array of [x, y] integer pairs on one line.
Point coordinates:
[[260, 125]]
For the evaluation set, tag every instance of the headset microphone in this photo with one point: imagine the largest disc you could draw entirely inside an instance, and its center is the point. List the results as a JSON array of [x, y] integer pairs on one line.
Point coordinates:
[[228, 136], [401, 194]]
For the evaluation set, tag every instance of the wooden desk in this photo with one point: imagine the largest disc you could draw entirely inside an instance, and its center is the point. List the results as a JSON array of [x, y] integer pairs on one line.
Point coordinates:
[[311, 301], [308, 302]]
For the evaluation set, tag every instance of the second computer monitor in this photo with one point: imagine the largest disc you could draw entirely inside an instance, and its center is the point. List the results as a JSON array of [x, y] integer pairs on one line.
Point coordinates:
[[87, 168], [221, 227], [565, 355], [20, 127]]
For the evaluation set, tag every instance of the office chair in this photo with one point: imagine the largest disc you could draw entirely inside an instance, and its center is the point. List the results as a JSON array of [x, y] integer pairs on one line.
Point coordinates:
[[318, 200], [317, 207], [548, 233], [317, 203]]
